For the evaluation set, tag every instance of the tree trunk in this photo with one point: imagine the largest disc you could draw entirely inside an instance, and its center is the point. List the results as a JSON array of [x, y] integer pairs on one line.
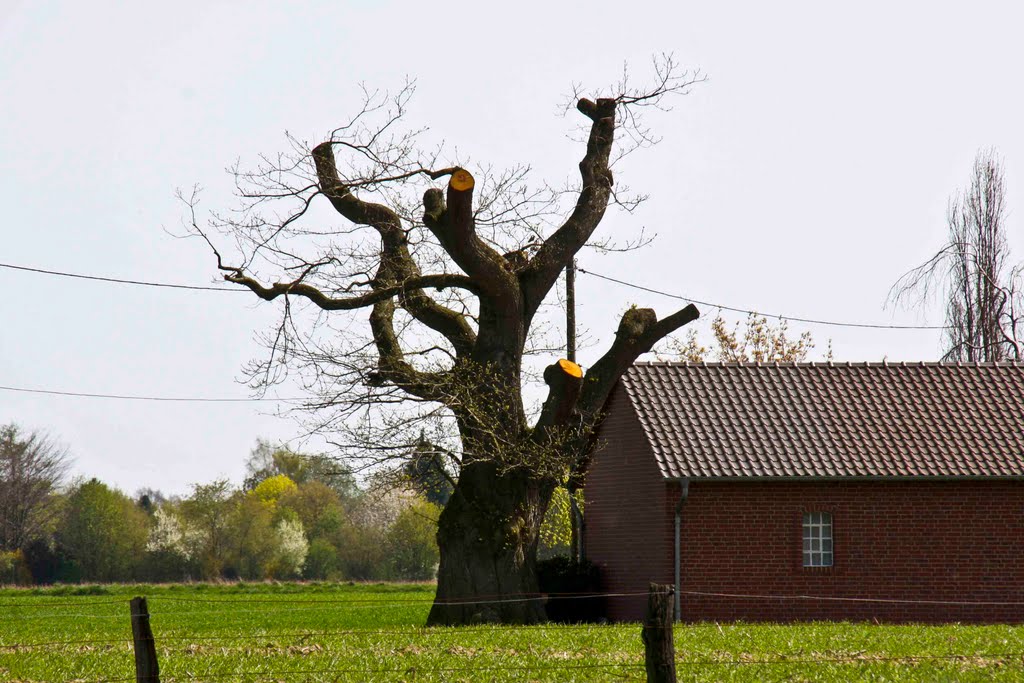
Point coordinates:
[[487, 537]]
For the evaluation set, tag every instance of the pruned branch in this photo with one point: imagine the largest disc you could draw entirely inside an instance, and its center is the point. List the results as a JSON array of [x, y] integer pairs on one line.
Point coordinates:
[[608, 116], [381, 218], [454, 226], [564, 379], [639, 330], [397, 265], [540, 275]]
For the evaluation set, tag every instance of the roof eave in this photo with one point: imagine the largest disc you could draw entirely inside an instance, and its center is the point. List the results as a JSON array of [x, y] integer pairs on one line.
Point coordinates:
[[848, 478]]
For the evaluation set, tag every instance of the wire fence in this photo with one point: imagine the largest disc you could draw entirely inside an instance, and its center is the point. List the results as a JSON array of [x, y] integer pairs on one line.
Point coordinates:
[[412, 635], [839, 598], [387, 670], [307, 605]]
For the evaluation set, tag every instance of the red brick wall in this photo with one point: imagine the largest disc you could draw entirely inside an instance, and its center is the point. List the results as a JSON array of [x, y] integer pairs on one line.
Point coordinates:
[[940, 541], [627, 532]]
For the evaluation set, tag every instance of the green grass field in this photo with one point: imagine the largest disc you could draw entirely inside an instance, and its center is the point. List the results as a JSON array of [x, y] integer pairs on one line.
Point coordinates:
[[286, 632]]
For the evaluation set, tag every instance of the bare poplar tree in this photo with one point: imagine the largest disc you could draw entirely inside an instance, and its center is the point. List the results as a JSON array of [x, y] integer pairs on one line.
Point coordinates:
[[982, 290], [453, 285], [32, 466]]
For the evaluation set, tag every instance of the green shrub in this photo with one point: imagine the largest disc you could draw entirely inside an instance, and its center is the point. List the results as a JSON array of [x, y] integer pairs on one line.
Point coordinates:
[[321, 561], [563, 575], [13, 568], [412, 542]]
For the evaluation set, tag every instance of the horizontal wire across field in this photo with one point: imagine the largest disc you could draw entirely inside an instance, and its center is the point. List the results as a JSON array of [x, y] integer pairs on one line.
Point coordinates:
[[314, 605], [705, 661], [391, 670], [479, 600], [377, 603], [81, 603], [417, 631], [838, 598]]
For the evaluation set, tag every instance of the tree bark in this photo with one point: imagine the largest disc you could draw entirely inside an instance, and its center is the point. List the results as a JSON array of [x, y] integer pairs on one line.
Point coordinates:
[[487, 535], [488, 532]]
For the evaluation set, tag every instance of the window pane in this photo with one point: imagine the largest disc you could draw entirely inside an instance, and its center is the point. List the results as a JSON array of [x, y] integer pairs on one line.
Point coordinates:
[[817, 539]]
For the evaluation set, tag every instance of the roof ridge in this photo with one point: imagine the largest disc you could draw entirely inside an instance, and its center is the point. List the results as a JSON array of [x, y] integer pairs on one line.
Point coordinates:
[[913, 419], [831, 364]]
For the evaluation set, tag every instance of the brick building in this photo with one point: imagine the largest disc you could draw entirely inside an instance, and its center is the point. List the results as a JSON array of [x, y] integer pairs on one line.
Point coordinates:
[[813, 491]]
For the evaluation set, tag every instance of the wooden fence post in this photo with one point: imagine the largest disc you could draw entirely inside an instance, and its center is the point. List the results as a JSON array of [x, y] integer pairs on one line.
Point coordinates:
[[146, 668], [659, 650]]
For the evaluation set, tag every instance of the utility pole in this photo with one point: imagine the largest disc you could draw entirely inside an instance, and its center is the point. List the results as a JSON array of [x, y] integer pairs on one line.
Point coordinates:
[[570, 311], [575, 516]]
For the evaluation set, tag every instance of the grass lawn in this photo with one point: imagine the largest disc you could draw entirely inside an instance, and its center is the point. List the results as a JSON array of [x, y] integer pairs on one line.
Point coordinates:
[[373, 632]]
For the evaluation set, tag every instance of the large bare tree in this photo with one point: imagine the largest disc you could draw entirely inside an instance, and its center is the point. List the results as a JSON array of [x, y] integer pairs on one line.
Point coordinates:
[[32, 467], [981, 288], [453, 287]]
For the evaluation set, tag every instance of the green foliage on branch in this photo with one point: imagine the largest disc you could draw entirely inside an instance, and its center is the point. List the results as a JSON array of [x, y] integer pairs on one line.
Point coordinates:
[[556, 530]]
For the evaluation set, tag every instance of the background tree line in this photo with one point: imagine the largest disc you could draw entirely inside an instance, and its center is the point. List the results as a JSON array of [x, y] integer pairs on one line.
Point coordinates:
[[294, 517]]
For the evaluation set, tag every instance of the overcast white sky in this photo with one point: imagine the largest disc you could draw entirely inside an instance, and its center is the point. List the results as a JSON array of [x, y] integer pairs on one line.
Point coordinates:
[[803, 178]]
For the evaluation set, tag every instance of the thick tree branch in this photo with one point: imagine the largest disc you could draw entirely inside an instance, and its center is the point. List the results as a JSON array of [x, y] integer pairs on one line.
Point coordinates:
[[380, 217], [543, 270], [639, 330], [454, 226], [328, 303], [397, 264], [392, 368], [564, 379], [557, 432]]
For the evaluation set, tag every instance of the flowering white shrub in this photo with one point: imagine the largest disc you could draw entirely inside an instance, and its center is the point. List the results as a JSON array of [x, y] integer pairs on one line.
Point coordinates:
[[292, 546], [166, 533], [170, 533]]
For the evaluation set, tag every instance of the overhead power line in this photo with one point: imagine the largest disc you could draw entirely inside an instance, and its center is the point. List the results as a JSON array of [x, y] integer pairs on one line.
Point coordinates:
[[810, 321], [119, 281], [166, 399]]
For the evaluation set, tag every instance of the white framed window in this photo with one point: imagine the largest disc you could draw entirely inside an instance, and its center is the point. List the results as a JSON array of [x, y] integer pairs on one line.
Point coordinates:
[[817, 539]]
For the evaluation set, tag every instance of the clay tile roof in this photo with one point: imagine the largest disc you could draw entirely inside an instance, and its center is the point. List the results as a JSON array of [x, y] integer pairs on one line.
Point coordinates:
[[831, 420]]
